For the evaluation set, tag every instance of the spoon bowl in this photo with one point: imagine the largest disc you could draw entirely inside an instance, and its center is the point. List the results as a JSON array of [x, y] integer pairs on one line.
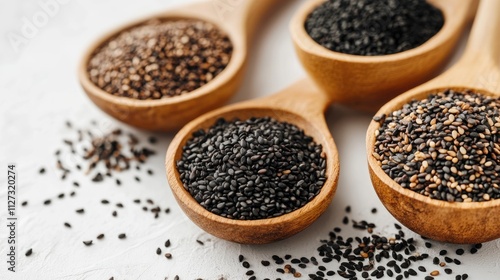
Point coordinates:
[[302, 105], [238, 21], [367, 82], [455, 222]]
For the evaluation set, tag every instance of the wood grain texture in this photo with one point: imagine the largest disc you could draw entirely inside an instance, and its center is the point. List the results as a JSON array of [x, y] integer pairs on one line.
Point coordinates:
[[238, 21], [301, 104], [367, 82], [478, 70]]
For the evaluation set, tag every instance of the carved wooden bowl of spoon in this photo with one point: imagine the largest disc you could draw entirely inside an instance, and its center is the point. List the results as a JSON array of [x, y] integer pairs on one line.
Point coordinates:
[[367, 82], [303, 105], [168, 114], [455, 222]]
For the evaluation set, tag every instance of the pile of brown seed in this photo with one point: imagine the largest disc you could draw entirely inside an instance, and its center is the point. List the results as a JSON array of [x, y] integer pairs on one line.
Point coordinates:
[[104, 152], [445, 146], [160, 59]]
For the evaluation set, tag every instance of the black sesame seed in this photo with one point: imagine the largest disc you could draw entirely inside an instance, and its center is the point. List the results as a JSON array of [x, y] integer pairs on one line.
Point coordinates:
[[158, 251], [460, 251], [100, 236], [29, 252], [67, 225], [337, 26], [122, 236], [262, 155], [87, 243]]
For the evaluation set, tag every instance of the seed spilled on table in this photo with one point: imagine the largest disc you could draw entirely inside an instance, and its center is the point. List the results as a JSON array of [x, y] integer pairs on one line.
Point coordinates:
[[444, 147], [160, 59], [252, 169], [370, 256], [104, 152]]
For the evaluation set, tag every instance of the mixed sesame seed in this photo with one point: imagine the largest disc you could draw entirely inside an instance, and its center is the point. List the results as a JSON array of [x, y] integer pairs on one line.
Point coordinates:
[[160, 59], [445, 146]]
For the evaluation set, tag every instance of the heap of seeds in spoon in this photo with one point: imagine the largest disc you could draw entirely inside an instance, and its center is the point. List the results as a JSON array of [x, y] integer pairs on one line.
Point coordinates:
[[253, 169], [367, 27], [445, 146], [160, 59]]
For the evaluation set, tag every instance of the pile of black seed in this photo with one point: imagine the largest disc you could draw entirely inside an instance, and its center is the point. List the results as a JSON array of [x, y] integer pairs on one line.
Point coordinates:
[[252, 169], [445, 147], [367, 27], [102, 152], [365, 256]]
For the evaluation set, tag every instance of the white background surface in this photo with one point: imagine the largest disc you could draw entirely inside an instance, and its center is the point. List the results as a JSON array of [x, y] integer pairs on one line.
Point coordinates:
[[39, 91]]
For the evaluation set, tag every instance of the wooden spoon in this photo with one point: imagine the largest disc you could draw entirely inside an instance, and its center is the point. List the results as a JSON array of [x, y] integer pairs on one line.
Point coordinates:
[[301, 104], [455, 222], [237, 18], [367, 82]]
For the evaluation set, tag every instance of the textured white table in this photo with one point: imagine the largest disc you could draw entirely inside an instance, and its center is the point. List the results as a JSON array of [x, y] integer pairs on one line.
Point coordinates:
[[39, 91]]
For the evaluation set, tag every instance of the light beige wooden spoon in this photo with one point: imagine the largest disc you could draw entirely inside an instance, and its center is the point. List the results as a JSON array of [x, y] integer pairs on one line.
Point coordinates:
[[478, 70], [238, 19], [301, 104], [367, 82]]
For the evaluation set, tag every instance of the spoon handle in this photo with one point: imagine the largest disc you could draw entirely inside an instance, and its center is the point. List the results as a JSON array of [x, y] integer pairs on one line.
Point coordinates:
[[479, 66], [303, 98], [243, 14]]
